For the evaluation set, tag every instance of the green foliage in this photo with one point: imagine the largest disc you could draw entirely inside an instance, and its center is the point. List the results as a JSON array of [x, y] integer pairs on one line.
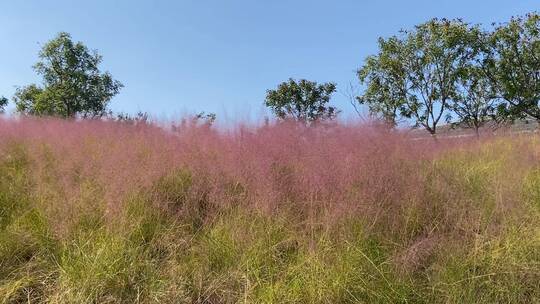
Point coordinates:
[[3, 103], [496, 270], [274, 264], [207, 118], [385, 79], [72, 82], [137, 119], [512, 63], [304, 101], [448, 69], [415, 74], [27, 247], [100, 266], [27, 259], [14, 184], [475, 103]]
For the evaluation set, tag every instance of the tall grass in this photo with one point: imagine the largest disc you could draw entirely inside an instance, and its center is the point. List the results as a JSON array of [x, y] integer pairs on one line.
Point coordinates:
[[100, 212]]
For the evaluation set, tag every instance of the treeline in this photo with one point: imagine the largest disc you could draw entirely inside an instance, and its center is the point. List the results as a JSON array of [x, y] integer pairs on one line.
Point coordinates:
[[441, 71], [452, 71]]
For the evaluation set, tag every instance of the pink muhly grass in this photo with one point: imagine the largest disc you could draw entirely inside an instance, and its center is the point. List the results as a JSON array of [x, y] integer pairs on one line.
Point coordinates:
[[337, 170]]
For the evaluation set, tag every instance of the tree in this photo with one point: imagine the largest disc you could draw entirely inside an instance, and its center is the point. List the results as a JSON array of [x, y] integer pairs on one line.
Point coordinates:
[[3, 103], [386, 80], [141, 118], [304, 101], [72, 82], [414, 75], [512, 63], [476, 102], [206, 118]]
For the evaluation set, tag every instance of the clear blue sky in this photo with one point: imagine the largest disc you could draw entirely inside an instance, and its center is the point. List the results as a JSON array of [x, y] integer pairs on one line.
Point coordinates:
[[216, 55]]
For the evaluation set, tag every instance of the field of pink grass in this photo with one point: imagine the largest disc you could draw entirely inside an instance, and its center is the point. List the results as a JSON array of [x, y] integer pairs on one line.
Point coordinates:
[[95, 211]]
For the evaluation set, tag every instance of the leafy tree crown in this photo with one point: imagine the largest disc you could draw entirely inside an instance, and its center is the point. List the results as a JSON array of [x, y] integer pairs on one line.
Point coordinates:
[[73, 84], [302, 100]]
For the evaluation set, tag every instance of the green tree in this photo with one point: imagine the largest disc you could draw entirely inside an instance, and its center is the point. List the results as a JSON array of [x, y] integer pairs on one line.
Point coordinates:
[[476, 102], [3, 103], [141, 118], [386, 79], [414, 75], [512, 63], [303, 100], [72, 82]]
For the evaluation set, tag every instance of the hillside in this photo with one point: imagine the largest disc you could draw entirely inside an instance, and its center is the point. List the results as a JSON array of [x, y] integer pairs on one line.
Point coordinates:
[[103, 212], [490, 129]]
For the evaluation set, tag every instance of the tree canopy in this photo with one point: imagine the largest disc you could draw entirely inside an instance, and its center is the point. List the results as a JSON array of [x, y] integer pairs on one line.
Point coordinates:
[[72, 85], [512, 64], [415, 74], [449, 70], [476, 102], [303, 100], [3, 103]]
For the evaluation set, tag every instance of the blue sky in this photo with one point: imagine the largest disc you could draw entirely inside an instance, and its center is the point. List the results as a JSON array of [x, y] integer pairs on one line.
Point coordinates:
[[178, 57]]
